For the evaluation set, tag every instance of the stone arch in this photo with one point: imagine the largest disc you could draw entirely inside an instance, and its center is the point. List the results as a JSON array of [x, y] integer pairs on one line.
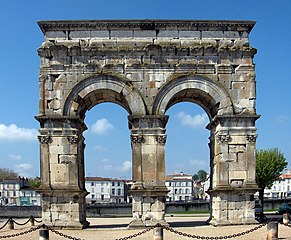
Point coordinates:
[[200, 90], [103, 88], [126, 62]]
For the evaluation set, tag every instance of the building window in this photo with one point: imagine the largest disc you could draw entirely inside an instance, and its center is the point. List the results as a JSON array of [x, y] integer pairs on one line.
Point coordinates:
[[92, 196], [112, 184], [102, 189], [102, 197], [187, 190], [113, 191], [102, 183], [14, 193], [118, 184], [178, 184], [118, 191], [180, 191], [92, 184], [176, 190]]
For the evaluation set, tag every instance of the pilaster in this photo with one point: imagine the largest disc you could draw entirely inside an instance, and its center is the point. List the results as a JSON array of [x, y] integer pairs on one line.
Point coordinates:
[[148, 141]]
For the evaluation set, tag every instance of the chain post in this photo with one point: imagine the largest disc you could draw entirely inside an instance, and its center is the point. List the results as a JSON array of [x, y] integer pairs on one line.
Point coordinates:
[[158, 233], [286, 218], [43, 233], [272, 231], [11, 224], [31, 222]]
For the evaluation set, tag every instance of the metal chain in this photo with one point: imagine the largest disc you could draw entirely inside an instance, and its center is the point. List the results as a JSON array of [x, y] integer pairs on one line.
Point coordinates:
[[21, 224], [37, 220], [217, 237], [21, 233], [60, 234], [139, 233], [5, 224]]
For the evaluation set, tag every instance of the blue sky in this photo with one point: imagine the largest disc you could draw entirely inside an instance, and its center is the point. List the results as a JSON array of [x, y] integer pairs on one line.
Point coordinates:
[[108, 152]]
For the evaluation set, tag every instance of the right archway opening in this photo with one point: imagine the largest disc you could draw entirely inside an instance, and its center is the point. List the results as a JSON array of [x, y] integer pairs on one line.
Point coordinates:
[[187, 154]]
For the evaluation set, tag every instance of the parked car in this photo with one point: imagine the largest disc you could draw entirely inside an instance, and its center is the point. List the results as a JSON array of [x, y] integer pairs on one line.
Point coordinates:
[[285, 208]]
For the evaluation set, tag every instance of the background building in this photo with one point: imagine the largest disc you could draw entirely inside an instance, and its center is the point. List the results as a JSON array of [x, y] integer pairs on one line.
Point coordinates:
[[18, 192], [106, 190], [180, 187], [281, 187]]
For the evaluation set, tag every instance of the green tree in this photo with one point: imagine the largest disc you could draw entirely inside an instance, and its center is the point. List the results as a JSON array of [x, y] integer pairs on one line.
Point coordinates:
[[7, 174], [34, 182], [201, 175], [270, 163], [195, 177]]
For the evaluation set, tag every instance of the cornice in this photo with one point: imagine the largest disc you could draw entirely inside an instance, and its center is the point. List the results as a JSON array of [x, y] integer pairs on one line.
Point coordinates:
[[147, 24]]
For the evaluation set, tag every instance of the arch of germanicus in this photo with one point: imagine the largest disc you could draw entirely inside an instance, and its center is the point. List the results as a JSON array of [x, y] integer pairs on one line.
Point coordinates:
[[147, 66]]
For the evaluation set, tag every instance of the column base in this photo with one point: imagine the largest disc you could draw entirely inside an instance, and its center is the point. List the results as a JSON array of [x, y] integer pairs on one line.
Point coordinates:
[[138, 223], [232, 206], [148, 207], [224, 222], [67, 225]]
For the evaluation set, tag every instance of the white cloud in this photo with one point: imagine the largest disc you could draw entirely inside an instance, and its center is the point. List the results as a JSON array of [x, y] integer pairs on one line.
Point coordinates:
[[23, 169], [106, 165], [14, 133], [23, 166], [99, 148], [193, 122], [15, 156], [126, 166], [199, 164], [102, 126]]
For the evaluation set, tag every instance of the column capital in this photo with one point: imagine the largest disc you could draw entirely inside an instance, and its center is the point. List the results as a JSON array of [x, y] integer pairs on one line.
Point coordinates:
[[148, 121], [65, 122], [136, 139], [244, 120], [251, 138], [44, 139], [161, 139]]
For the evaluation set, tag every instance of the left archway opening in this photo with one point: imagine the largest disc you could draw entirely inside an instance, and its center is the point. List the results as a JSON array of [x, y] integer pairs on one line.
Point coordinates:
[[107, 156]]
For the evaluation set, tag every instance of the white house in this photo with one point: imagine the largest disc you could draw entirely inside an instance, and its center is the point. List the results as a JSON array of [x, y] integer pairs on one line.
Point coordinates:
[[281, 187], [17, 192], [105, 190], [180, 187]]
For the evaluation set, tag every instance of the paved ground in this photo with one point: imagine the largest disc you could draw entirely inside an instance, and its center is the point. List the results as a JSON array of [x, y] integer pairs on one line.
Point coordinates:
[[115, 228]]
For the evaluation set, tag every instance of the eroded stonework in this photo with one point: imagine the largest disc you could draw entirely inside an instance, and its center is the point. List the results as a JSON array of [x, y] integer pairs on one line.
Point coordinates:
[[147, 66]]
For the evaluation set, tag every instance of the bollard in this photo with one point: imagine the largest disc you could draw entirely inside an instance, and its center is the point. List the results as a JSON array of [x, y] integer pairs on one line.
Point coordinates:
[[31, 221], [11, 224], [43, 234], [158, 233], [272, 229], [285, 218]]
